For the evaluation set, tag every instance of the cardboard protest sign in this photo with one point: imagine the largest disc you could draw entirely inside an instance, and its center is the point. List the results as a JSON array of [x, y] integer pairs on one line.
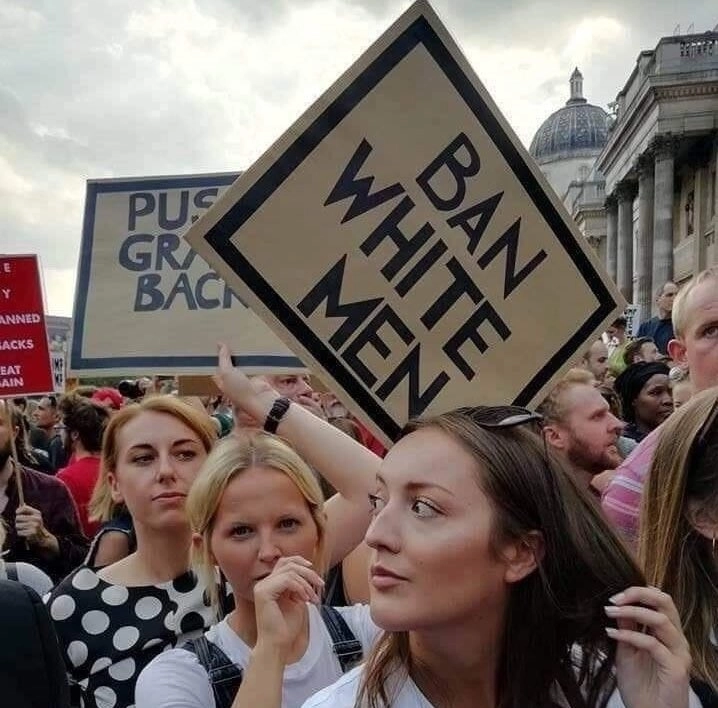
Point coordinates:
[[24, 353], [205, 386], [197, 386], [402, 242], [144, 302]]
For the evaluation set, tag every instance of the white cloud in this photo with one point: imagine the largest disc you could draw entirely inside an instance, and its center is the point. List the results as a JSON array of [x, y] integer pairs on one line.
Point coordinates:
[[594, 36], [254, 85], [59, 289], [12, 184], [530, 82], [15, 18]]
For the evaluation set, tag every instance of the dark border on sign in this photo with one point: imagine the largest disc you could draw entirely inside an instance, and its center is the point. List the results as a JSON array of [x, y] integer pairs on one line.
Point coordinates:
[[219, 236], [80, 363]]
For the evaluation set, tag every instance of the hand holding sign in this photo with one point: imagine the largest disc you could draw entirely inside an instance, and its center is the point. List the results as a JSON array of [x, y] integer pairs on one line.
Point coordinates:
[[253, 396], [29, 524]]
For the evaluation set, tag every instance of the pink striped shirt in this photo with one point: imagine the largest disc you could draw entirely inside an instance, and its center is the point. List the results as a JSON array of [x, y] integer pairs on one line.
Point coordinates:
[[621, 501]]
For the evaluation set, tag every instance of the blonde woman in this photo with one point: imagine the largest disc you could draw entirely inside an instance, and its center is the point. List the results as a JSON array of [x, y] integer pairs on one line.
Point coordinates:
[[258, 514], [679, 527], [111, 622]]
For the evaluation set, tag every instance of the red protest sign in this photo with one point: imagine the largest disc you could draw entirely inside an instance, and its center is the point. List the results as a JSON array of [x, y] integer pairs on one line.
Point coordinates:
[[24, 355]]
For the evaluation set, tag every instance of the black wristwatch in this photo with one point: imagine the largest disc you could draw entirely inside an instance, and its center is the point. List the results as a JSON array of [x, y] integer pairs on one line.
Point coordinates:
[[279, 409]]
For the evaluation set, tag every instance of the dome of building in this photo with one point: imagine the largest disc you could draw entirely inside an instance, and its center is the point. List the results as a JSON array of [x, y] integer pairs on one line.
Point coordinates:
[[579, 129]]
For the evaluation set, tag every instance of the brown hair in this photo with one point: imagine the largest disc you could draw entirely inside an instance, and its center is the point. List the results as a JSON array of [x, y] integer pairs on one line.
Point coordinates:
[[633, 349], [612, 398], [22, 441], [101, 506], [86, 418], [558, 606], [674, 555]]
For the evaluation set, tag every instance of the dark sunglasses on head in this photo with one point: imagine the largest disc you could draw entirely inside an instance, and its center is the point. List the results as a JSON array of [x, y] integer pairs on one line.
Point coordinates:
[[491, 417]]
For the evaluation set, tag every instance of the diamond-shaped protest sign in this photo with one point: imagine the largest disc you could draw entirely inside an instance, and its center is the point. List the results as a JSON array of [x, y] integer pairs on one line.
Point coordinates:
[[401, 241]]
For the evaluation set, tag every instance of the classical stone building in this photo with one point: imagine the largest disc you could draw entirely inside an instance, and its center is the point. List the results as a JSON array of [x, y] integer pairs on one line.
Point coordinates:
[[648, 201], [659, 167]]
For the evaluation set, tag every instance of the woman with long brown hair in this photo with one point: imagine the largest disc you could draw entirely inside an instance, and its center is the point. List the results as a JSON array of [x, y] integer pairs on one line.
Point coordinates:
[[679, 527]]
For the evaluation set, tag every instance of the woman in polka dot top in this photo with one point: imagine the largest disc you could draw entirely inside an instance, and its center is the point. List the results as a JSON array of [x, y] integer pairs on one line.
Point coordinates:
[[111, 623]]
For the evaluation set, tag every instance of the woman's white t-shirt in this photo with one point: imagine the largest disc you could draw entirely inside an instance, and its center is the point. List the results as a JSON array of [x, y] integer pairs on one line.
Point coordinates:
[[343, 694], [176, 679]]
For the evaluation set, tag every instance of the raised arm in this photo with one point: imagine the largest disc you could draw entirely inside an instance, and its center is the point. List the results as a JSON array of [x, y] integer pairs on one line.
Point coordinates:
[[347, 465]]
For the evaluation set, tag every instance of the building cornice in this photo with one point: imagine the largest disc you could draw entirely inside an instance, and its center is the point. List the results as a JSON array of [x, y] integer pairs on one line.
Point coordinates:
[[624, 130], [592, 213], [655, 91], [663, 93]]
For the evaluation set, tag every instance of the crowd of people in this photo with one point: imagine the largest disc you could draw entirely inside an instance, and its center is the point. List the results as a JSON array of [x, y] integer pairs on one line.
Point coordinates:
[[262, 548]]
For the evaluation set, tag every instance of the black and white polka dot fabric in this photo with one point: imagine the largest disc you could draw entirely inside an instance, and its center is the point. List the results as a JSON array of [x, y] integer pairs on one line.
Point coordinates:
[[109, 633]]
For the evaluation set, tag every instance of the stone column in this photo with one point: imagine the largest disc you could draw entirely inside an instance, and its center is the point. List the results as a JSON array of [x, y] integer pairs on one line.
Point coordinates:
[[625, 192], [601, 249], [644, 243], [664, 151], [611, 235], [701, 212]]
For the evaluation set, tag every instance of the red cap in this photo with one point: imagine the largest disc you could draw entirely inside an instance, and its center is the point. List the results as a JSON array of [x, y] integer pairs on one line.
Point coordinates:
[[103, 395]]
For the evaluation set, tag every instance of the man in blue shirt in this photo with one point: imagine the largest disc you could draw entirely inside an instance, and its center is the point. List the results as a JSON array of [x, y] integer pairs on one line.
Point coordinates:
[[660, 329]]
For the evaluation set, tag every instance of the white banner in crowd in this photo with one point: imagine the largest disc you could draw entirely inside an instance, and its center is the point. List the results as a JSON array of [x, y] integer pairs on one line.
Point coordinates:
[[58, 372], [632, 321], [145, 303], [402, 242]]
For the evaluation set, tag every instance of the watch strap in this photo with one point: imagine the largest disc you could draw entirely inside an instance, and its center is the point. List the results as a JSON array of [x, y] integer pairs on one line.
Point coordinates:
[[276, 413]]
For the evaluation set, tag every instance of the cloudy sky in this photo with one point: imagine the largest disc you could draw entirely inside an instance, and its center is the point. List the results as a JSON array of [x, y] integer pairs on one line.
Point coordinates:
[[94, 89]]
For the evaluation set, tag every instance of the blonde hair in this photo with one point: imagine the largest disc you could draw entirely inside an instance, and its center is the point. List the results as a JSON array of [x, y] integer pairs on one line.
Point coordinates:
[[683, 383], [679, 315], [102, 507], [230, 457], [552, 408], [674, 555]]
